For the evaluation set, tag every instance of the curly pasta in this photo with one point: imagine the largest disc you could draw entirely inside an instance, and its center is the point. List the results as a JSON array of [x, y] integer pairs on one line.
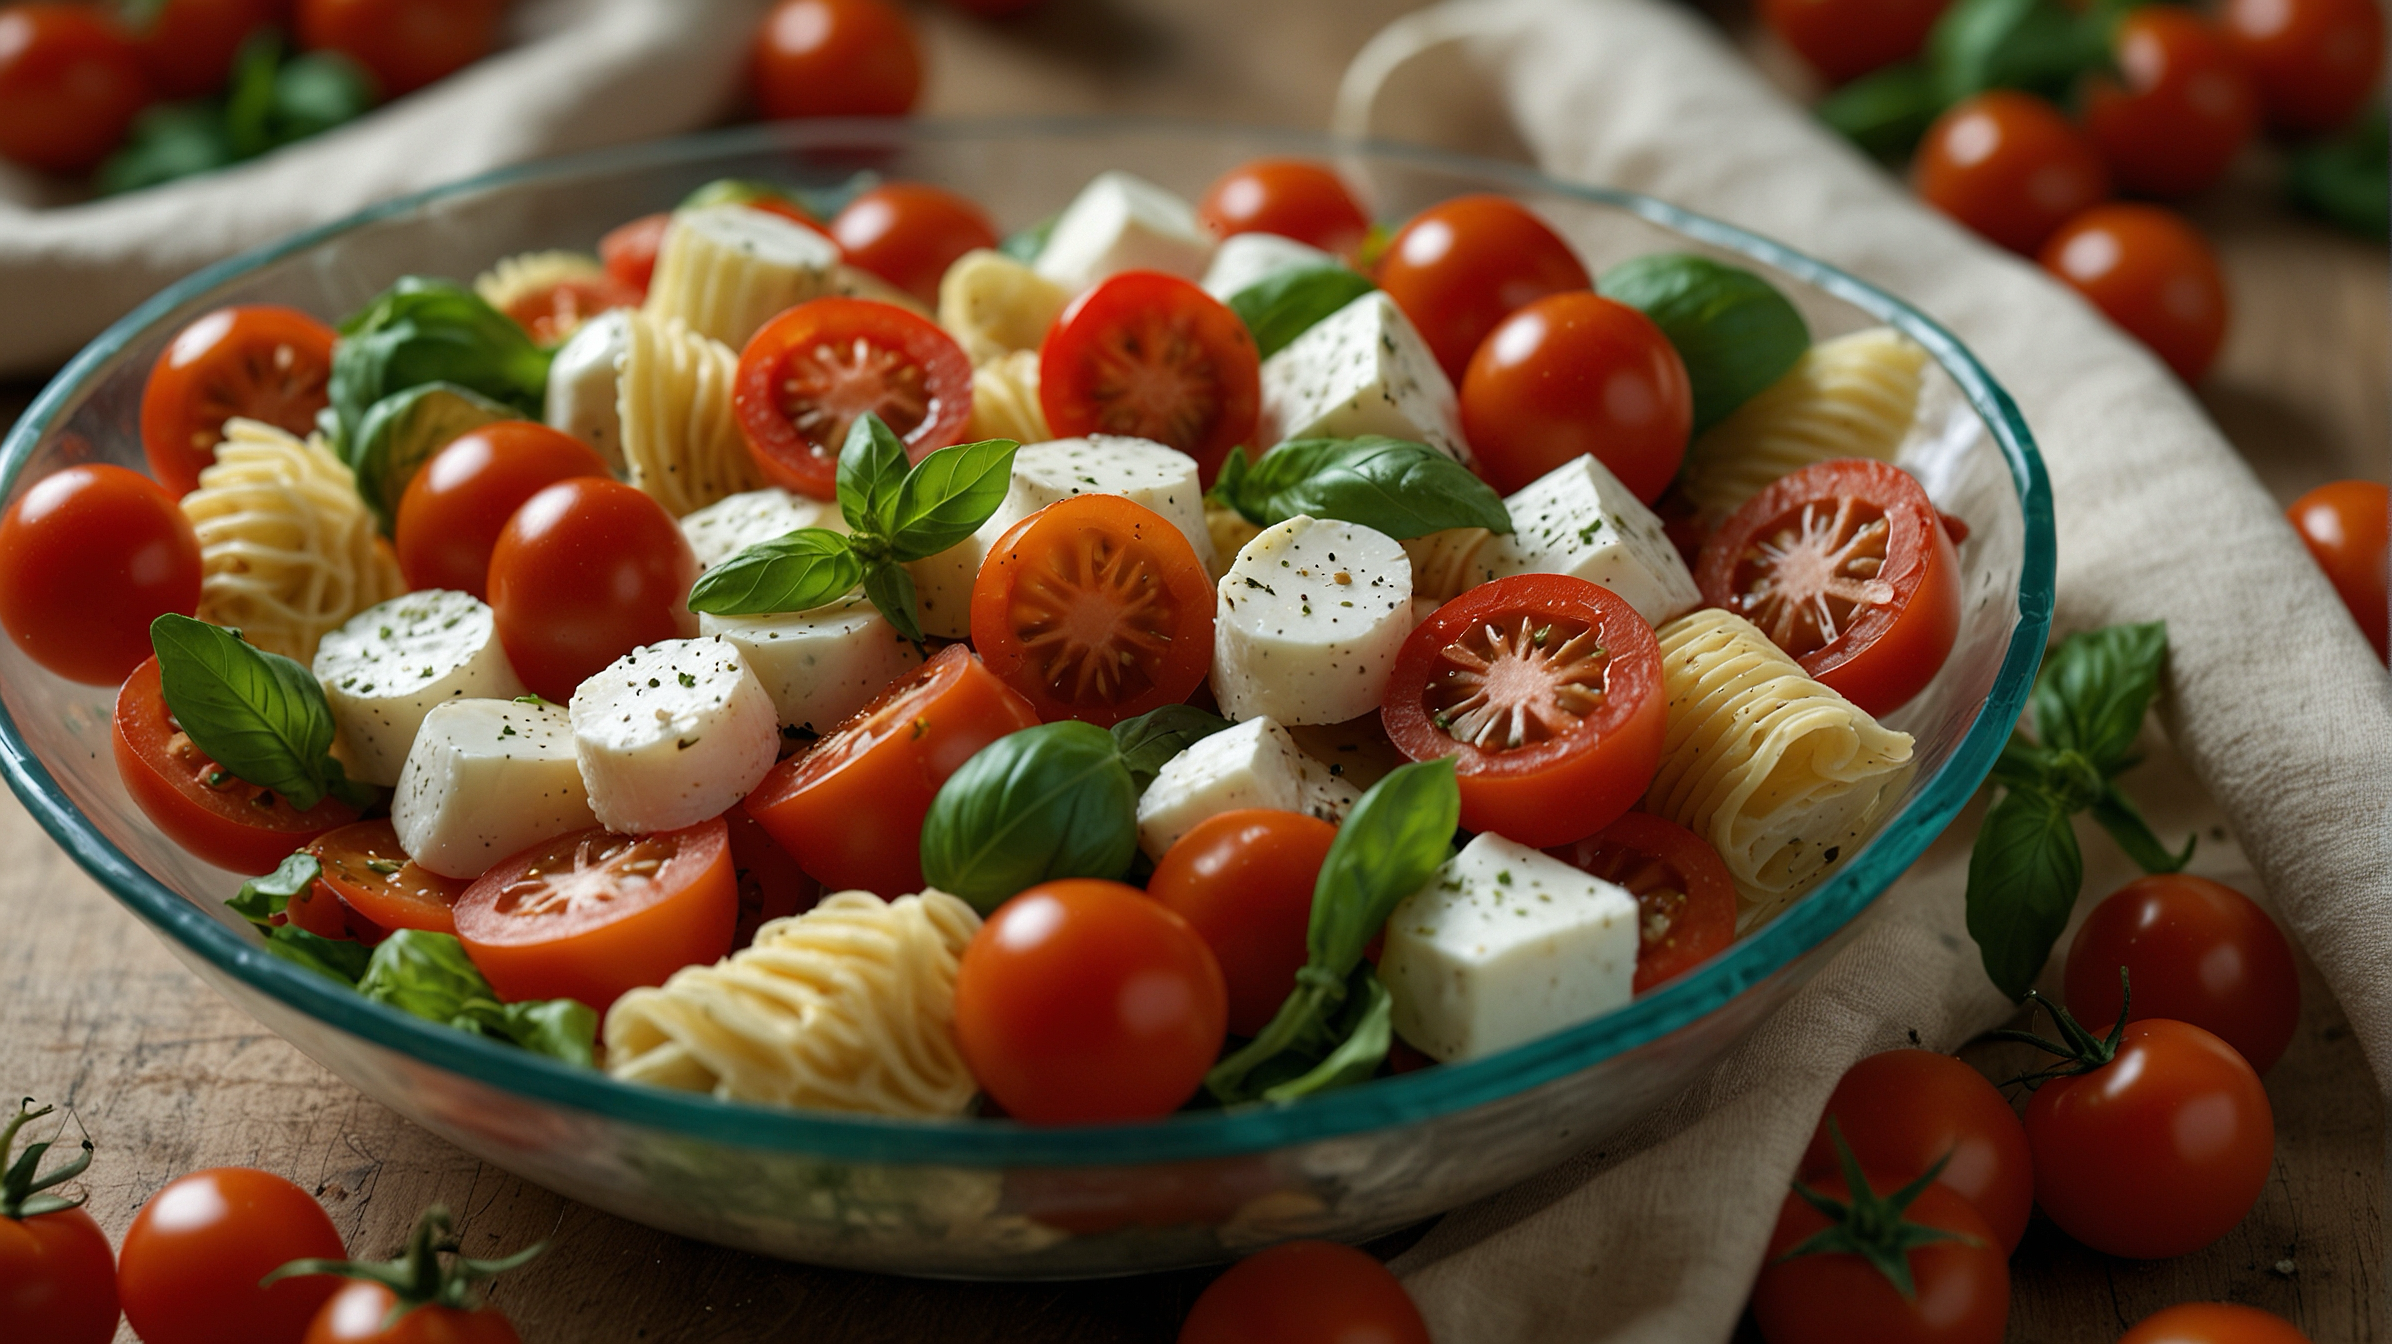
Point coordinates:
[[1005, 400], [993, 305], [848, 1007], [1854, 396], [287, 551], [681, 440]]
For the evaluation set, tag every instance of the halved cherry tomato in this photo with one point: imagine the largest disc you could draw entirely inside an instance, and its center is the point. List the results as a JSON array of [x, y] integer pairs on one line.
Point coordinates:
[[586, 571], [70, 84], [812, 372], [629, 250], [458, 503], [1903, 1111], [88, 558], [1082, 1001], [1845, 39], [190, 1265], [198, 803], [908, 233], [850, 808], [1846, 566], [1243, 880], [2151, 272], [1095, 608], [1460, 268], [2315, 61], [551, 313], [256, 361], [404, 44], [1294, 198], [2213, 1323], [1962, 1285], [592, 914], [1546, 691], [1154, 357], [836, 58], [360, 1313], [2345, 525], [1685, 900], [321, 913], [771, 884], [1572, 374], [365, 867], [57, 1278], [1305, 1292], [2186, 108], [187, 46], [2197, 951], [2009, 166]]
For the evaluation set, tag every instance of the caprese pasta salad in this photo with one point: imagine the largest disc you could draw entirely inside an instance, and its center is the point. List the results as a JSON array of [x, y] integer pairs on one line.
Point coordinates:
[[1210, 654]]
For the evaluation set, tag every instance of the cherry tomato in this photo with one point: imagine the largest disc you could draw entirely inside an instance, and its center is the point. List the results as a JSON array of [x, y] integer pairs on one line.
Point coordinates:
[[591, 914], [1082, 1001], [320, 912], [1962, 1285], [199, 804], [57, 1278], [1305, 1292], [2186, 108], [1572, 374], [2315, 61], [458, 503], [88, 558], [2344, 525], [360, 1314], [995, 9], [1154, 357], [850, 808], [1685, 899], [809, 374], [2197, 951], [1546, 691], [258, 361], [364, 866], [586, 571], [2150, 271], [629, 250], [552, 313], [190, 1265], [2159, 1152], [1294, 198], [1095, 608], [1846, 566], [2213, 1323], [771, 884], [187, 46], [1458, 269], [1905, 1110], [908, 233], [1845, 39], [70, 83], [1243, 880], [2009, 166], [403, 44], [836, 58]]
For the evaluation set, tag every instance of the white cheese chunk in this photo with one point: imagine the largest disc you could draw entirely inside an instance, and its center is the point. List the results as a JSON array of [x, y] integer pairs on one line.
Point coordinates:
[[1311, 615], [1363, 369], [1252, 764], [732, 524], [1576, 519], [582, 382], [1243, 259], [1506, 944], [819, 666], [1123, 223], [390, 664], [672, 734], [487, 779]]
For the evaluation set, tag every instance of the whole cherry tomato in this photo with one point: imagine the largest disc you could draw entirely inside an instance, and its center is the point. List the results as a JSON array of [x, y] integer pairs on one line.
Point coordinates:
[[70, 84], [2009, 166], [586, 571], [190, 1265], [1243, 880], [187, 46], [1903, 1111], [1685, 898], [1305, 1292], [257, 361], [458, 503], [2213, 1323], [2150, 271], [57, 1274], [1572, 374], [2343, 523], [2197, 951], [1152, 356], [1294, 198], [88, 558], [1459, 268], [2315, 61], [836, 58], [812, 372], [2185, 109], [908, 233], [1845, 39], [360, 1314], [1961, 1281], [404, 44]]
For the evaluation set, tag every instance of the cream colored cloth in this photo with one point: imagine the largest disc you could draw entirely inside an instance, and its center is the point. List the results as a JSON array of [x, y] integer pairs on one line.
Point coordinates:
[[2272, 698], [580, 74]]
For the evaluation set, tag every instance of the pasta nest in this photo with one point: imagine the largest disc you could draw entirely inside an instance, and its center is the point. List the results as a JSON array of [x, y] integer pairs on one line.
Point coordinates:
[[1854, 396]]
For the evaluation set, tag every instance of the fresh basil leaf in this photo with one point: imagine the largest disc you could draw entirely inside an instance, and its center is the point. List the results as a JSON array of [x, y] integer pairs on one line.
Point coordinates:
[[1285, 304], [424, 330], [948, 495], [796, 571], [2022, 763], [2347, 180], [1149, 741], [890, 587], [317, 91], [429, 975], [1024, 245], [1042, 803], [2095, 689], [262, 898], [1885, 112], [1389, 846], [2023, 877], [2037, 45], [402, 431], [249, 93], [872, 469], [2118, 815], [1364, 1031], [259, 715], [1400, 488], [565, 1029], [168, 141], [332, 958], [1736, 333]]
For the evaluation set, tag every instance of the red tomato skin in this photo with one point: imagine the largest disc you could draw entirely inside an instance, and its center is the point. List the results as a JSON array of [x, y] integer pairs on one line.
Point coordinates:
[[70, 84], [355, 1315], [1845, 39], [213, 370], [1574, 374], [1156, 313], [1459, 268], [2197, 951], [1243, 880], [1647, 855], [1963, 1288], [88, 558], [2009, 166], [187, 51], [456, 505], [908, 233], [629, 250], [783, 452], [586, 571], [2151, 272], [1293, 198], [2213, 1323], [1902, 1111], [2315, 61], [403, 44], [189, 1268], [836, 58], [2345, 525], [377, 903], [2186, 108], [1305, 1292], [2158, 1153], [57, 1279]]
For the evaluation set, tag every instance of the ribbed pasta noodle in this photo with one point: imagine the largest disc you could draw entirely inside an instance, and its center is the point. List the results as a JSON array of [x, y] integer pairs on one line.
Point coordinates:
[[847, 1007], [287, 551], [993, 305], [519, 277], [1782, 775], [681, 440], [1854, 396], [727, 270], [1005, 400]]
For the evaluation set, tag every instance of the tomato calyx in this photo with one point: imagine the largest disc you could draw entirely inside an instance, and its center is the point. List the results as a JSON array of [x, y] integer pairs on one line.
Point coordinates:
[[2079, 1050], [419, 1277], [21, 1189], [1872, 1226]]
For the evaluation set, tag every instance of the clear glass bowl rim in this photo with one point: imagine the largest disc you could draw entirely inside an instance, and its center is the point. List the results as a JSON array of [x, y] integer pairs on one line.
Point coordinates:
[[1192, 1136]]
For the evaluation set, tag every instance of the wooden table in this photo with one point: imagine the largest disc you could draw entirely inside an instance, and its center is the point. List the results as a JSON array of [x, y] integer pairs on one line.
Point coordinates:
[[170, 1078]]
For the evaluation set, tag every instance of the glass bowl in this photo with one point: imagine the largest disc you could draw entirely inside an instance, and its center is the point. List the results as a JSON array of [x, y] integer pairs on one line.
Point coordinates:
[[985, 1198]]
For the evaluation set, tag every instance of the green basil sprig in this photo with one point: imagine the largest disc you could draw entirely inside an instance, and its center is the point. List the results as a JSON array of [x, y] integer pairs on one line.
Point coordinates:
[[1736, 333], [424, 330], [2025, 870], [260, 899], [1286, 303], [1394, 486], [1323, 1036], [1035, 805], [1024, 244], [1886, 111], [259, 715], [1149, 741], [271, 99], [2347, 180], [2037, 45], [895, 514], [402, 431]]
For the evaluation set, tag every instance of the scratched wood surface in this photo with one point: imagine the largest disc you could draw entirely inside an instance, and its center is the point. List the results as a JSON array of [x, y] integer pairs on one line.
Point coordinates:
[[170, 1078]]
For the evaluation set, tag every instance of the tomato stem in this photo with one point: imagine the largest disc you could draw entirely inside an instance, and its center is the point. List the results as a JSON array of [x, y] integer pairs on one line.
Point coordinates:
[[419, 1278], [1870, 1225], [21, 1188], [2079, 1050]]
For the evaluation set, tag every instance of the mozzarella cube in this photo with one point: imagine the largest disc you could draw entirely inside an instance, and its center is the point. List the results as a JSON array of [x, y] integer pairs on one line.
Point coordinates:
[[1506, 944], [1578, 519], [487, 779], [1251, 764], [1123, 223], [1311, 616], [819, 666], [672, 734], [582, 382], [1243, 259], [1361, 370], [392, 663], [731, 525]]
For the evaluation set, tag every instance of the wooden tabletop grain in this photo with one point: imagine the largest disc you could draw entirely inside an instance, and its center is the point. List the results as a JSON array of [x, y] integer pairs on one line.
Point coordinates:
[[170, 1078]]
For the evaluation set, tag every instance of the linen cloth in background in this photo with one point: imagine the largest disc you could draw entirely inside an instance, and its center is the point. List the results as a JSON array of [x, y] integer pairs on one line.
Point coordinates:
[[2272, 699], [581, 74]]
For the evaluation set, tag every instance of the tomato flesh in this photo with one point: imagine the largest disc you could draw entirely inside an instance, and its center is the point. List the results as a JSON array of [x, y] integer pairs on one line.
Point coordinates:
[[1152, 356], [1685, 899], [190, 1264], [88, 558], [1903, 1111], [258, 362], [58, 1278], [551, 314], [1305, 1292], [2195, 951], [364, 866], [811, 373]]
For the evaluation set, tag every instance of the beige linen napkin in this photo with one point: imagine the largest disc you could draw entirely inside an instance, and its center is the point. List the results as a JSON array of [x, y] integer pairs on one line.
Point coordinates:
[[583, 73], [2272, 698]]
